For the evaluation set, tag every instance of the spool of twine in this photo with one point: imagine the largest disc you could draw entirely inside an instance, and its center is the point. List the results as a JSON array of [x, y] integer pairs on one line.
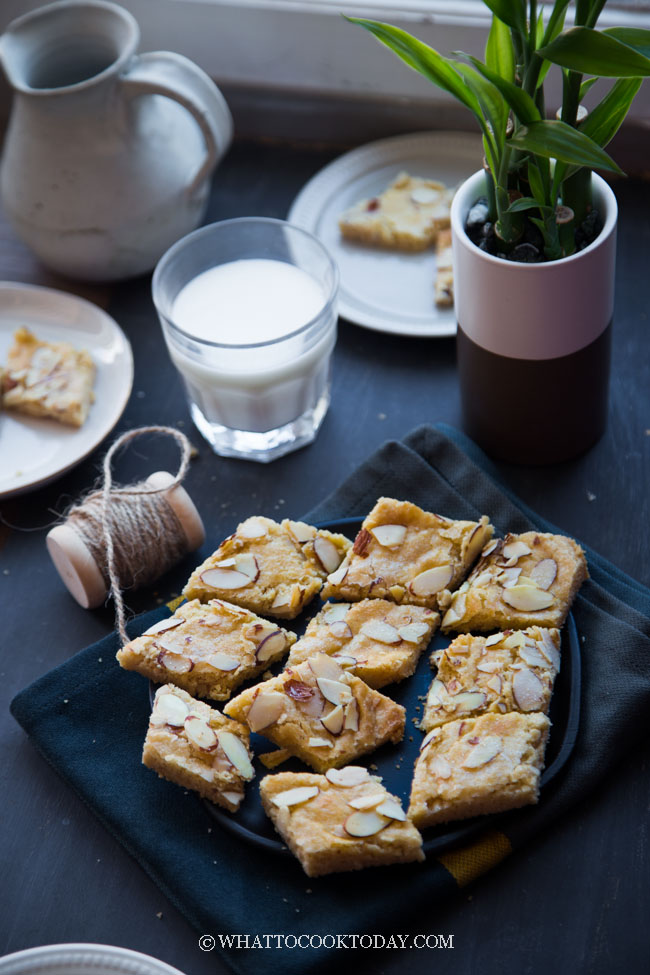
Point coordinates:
[[118, 538]]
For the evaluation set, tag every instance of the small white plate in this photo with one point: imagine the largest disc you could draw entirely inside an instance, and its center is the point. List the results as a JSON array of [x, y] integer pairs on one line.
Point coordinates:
[[35, 451], [385, 290], [83, 959]]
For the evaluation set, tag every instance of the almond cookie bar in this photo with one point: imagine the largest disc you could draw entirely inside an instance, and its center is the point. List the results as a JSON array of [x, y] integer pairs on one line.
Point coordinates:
[[208, 649], [444, 282], [319, 713], [511, 671], [374, 639], [407, 555], [478, 765], [196, 747], [520, 581], [407, 215], [48, 379], [343, 820], [266, 568]]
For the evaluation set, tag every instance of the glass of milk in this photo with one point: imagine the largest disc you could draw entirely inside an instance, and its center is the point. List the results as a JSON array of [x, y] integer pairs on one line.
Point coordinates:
[[248, 311]]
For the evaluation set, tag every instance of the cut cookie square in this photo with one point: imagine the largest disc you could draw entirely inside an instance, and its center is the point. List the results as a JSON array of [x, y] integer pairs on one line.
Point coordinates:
[[208, 649], [522, 580], [444, 282], [344, 820], [406, 216], [196, 747], [48, 379], [407, 555], [319, 713], [265, 568], [511, 671], [375, 639], [478, 765]]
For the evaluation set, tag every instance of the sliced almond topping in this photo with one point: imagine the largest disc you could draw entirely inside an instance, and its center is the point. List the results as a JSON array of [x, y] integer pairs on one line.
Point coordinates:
[[367, 802], [319, 743], [247, 564], [469, 700], [169, 709], [433, 734], [543, 573], [513, 551], [364, 824], [391, 809], [327, 553], [297, 690], [528, 690], [380, 631], [347, 660], [509, 577], [252, 528], [199, 731], [301, 531], [527, 598], [351, 716], [336, 578], [436, 692], [482, 579], [424, 195], [495, 638], [341, 630], [234, 798], [494, 684], [547, 646], [322, 665], [348, 776], [431, 581], [271, 645], [225, 578], [488, 666], [487, 749], [516, 639], [390, 536], [334, 612], [175, 663], [333, 690], [236, 753], [222, 661], [162, 625], [440, 767], [265, 710], [293, 797], [413, 632], [532, 657], [456, 611], [259, 631], [333, 721], [490, 547]]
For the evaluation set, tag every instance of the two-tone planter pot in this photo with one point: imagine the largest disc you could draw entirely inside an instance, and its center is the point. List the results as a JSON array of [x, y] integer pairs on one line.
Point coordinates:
[[534, 341]]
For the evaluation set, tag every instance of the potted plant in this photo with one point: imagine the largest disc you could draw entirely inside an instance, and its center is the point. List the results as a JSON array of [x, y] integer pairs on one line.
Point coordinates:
[[534, 232]]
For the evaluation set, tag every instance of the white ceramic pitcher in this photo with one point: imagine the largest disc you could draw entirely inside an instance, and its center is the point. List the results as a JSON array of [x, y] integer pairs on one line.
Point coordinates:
[[108, 155]]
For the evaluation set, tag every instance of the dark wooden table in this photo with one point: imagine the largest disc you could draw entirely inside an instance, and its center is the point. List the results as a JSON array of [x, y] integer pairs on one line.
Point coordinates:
[[578, 899]]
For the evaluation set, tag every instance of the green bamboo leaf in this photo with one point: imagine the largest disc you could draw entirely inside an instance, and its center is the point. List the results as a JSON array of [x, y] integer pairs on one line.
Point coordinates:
[[538, 186], [525, 203], [499, 53], [511, 12], [423, 59], [492, 104], [539, 29], [604, 121], [633, 37], [586, 85], [590, 51], [519, 100], [556, 140], [555, 21]]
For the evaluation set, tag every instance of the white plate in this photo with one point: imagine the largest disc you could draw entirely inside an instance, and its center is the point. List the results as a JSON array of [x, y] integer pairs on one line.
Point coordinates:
[[34, 451], [385, 290], [83, 959]]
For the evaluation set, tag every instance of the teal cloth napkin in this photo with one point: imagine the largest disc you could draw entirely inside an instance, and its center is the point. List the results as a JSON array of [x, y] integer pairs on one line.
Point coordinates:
[[212, 878]]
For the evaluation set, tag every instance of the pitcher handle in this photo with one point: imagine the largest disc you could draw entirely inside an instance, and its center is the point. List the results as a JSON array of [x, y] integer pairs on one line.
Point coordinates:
[[176, 77]]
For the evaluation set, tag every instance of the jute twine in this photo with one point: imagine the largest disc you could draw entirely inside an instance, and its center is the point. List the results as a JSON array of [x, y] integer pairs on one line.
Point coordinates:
[[132, 532]]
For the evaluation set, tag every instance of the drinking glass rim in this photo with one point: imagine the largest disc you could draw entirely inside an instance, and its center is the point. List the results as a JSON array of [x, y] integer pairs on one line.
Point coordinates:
[[204, 232]]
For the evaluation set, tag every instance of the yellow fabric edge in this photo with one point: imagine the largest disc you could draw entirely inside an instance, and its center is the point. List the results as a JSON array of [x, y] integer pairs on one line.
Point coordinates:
[[470, 862]]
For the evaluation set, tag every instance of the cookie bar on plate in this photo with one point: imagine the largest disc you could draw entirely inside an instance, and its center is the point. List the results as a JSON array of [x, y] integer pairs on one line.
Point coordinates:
[[196, 747], [478, 765], [343, 820], [48, 379], [267, 568], [523, 580], [407, 555], [406, 216], [511, 671], [374, 639], [319, 713], [208, 649], [444, 282]]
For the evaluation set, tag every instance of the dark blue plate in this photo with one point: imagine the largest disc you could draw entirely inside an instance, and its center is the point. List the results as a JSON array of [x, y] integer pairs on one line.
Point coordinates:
[[395, 762]]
